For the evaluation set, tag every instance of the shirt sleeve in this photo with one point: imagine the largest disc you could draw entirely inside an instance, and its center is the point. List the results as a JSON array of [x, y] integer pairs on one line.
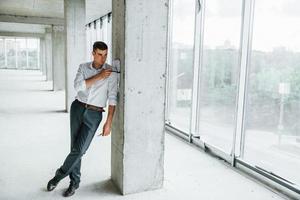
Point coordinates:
[[112, 89], [79, 82]]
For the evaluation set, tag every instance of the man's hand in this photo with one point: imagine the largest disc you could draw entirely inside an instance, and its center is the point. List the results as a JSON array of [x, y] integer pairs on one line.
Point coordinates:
[[107, 126], [106, 129], [104, 74]]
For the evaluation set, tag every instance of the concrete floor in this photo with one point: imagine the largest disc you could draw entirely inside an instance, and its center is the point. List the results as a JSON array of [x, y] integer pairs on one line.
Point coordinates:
[[34, 141]]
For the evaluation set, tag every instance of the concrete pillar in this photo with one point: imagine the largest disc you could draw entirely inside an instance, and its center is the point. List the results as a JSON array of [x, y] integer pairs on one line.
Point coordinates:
[[38, 67], [58, 57], [16, 53], [75, 43], [48, 52], [5, 53], [137, 148], [27, 59], [43, 56]]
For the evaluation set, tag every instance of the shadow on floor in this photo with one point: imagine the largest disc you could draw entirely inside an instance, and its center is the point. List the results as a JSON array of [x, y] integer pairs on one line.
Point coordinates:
[[102, 188]]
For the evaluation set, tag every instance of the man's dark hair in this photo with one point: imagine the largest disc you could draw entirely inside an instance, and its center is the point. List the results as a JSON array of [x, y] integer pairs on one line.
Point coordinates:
[[99, 45]]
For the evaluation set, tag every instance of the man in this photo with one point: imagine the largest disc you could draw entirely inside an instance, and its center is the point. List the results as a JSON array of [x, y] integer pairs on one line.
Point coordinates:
[[95, 83]]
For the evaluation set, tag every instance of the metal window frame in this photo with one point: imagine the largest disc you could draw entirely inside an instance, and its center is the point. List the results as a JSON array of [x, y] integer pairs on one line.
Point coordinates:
[[245, 42], [198, 52]]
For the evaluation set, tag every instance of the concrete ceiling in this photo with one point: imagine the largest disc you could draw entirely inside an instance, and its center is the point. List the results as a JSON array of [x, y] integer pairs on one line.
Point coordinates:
[[97, 8], [52, 8]]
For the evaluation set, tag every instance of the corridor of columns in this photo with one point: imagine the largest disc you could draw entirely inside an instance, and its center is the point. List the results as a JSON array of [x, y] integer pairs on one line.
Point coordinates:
[[35, 140]]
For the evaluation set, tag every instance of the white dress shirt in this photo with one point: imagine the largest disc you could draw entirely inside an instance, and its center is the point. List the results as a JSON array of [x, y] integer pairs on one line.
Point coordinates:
[[101, 90]]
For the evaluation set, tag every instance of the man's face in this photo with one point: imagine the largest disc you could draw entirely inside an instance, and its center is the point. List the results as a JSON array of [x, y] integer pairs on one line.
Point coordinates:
[[99, 56]]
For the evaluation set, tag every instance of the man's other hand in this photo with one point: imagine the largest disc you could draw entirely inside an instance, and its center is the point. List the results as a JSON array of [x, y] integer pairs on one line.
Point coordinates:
[[106, 129]]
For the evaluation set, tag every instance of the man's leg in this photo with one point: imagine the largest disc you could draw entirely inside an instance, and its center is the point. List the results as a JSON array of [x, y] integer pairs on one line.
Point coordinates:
[[76, 120], [91, 121]]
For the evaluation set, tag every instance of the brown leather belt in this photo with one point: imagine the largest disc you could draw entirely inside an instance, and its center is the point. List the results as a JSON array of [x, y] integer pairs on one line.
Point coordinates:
[[91, 107]]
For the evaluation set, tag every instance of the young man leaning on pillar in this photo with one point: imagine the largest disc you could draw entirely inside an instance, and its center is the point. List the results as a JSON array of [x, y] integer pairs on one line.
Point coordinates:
[[95, 84]]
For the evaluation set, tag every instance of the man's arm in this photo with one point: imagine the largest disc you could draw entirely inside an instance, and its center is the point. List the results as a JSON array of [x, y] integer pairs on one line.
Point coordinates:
[[80, 83], [102, 75], [112, 102], [107, 125]]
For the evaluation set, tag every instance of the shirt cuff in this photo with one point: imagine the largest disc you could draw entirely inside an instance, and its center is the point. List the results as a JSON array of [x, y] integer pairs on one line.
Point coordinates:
[[112, 102]]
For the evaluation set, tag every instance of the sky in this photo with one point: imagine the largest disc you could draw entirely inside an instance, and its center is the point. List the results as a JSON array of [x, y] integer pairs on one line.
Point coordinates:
[[276, 23]]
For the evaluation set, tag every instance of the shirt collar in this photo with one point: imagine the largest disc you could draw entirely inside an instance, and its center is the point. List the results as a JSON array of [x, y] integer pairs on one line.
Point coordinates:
[[103, 66]]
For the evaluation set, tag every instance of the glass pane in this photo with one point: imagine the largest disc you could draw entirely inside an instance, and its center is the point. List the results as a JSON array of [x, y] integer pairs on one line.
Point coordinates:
[[21, 53], [94, 32], [109, 40], [98, 29], [272, 128], [219, 72], [32, 45], [104, 28], [181, 64], [101, 30], [89, 45], [11, 53]]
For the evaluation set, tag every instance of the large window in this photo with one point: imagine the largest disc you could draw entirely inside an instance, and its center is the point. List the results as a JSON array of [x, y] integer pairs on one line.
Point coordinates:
[[99, 30], [272, 128], [10, 53], [19, 53], [234, 82], [219, 72], [181, 63]]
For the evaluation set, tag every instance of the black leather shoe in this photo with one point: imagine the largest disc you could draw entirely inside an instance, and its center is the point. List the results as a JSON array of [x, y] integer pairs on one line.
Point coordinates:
[[52, 184], [70, 191]]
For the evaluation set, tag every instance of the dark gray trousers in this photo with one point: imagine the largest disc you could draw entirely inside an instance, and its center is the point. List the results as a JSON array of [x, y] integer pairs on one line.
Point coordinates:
[[84, 123]]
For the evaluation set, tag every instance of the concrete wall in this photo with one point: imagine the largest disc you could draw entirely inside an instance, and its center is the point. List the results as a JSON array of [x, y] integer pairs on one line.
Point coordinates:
[[138, 131]]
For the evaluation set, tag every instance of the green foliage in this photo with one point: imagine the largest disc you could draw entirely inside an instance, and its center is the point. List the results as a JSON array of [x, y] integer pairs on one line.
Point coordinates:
[[219, 80]]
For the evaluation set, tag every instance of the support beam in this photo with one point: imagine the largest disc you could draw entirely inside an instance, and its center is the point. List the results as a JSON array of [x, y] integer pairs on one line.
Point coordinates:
[[31, 19], [48, 51], [21, 34], [139, 40], [43, 56], [27, 63], [5, 53], [16, 53], [75, 43], [58, 57], [38, 57]]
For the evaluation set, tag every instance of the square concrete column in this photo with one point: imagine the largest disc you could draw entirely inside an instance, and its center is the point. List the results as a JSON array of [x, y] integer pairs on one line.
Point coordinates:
[[48, 43], [139, 39], [43, 56], [58, 57], [75, 43]]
